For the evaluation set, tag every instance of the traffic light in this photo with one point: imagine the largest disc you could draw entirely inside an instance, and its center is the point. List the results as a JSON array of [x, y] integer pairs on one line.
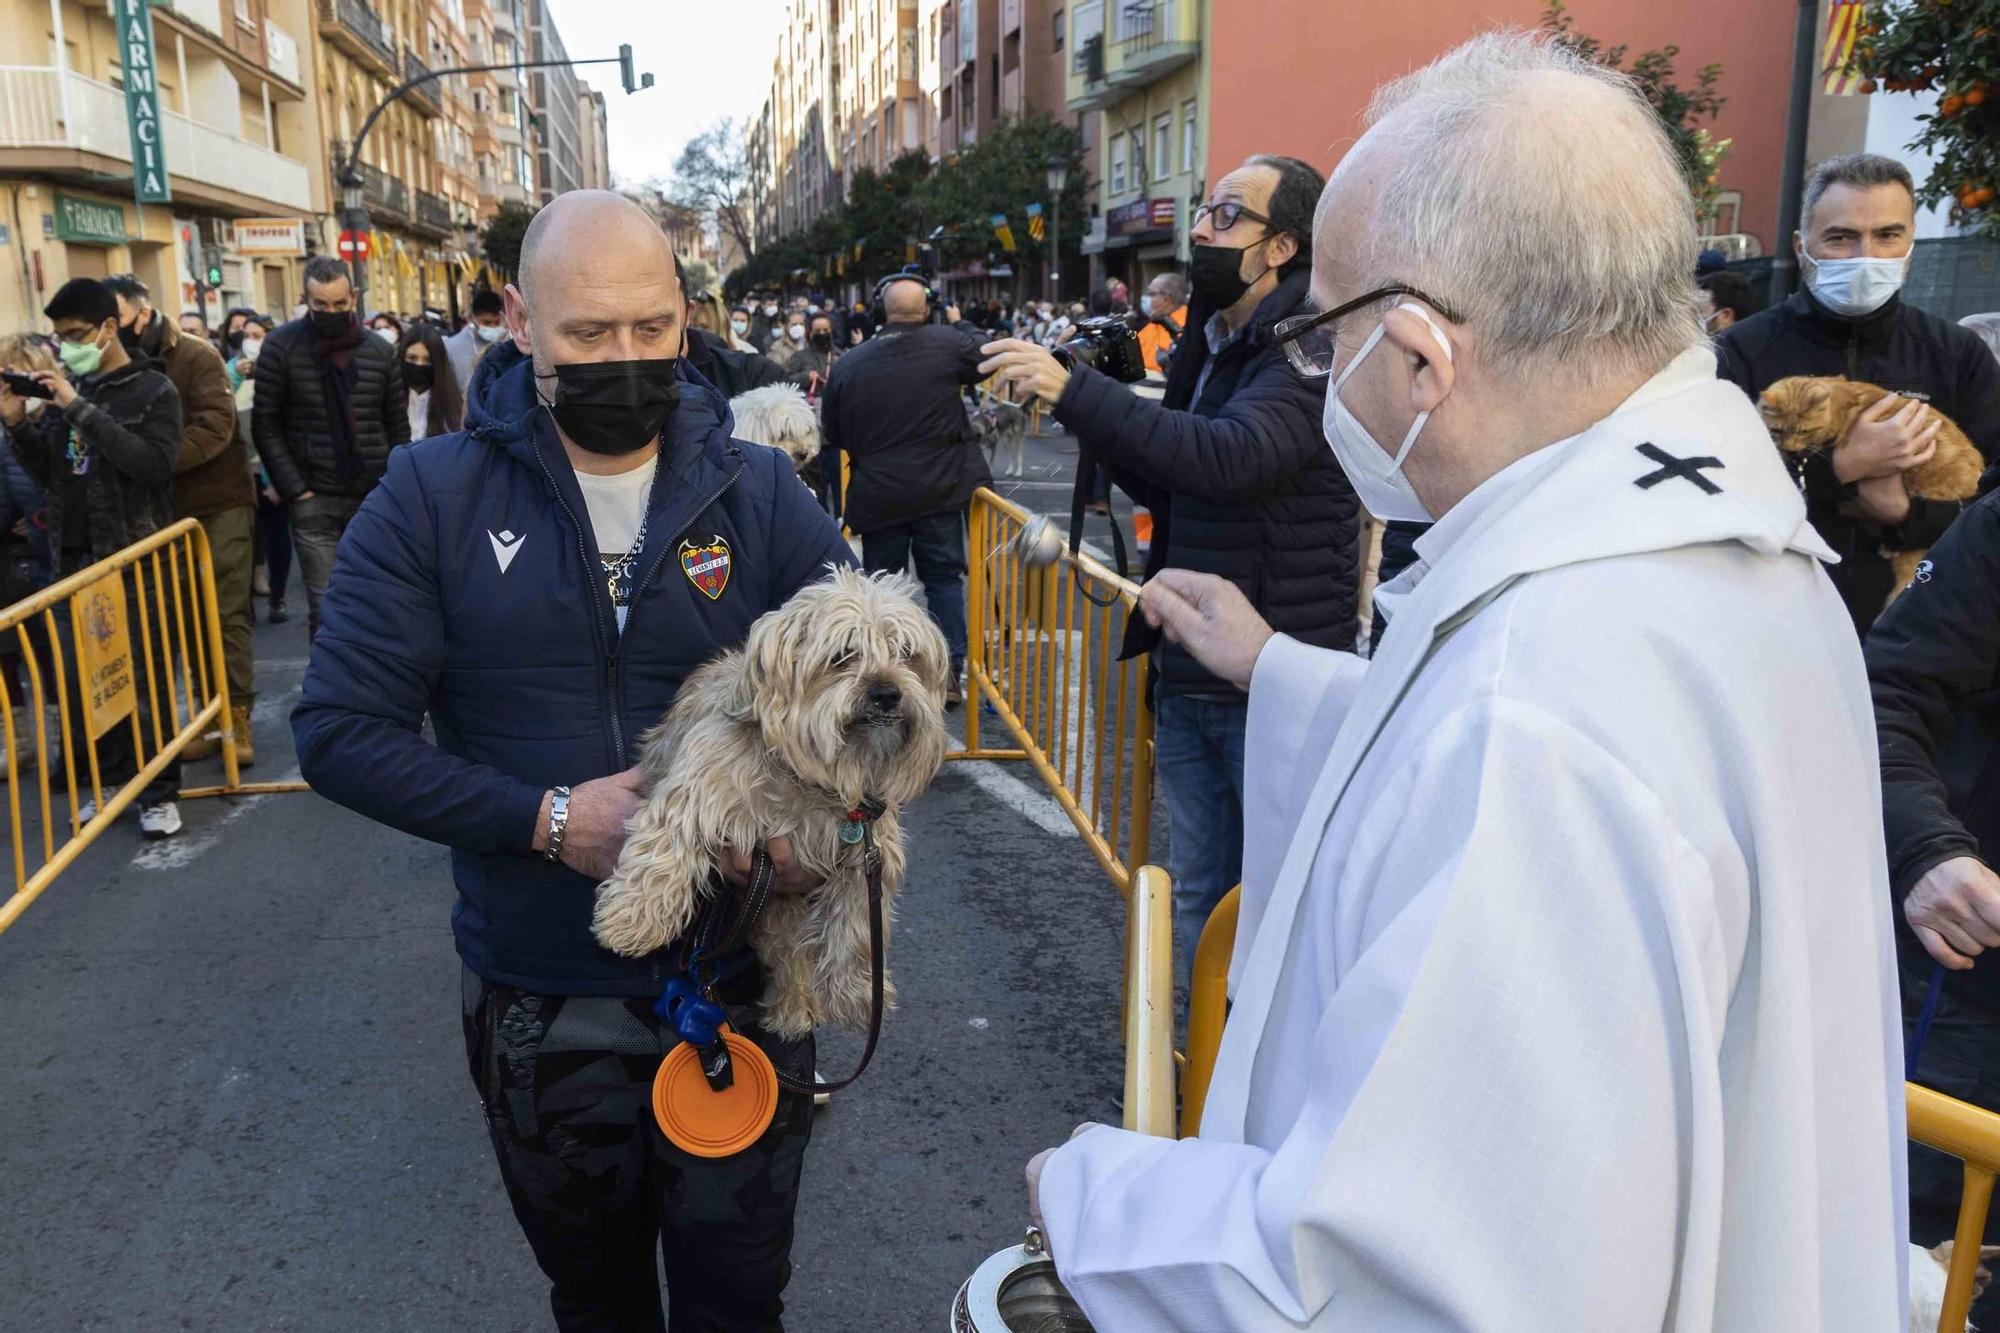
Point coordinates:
[[625, 74], [211, 264]]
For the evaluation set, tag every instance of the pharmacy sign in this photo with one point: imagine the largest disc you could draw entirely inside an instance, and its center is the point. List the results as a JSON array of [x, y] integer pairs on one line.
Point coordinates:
[[142, 101]]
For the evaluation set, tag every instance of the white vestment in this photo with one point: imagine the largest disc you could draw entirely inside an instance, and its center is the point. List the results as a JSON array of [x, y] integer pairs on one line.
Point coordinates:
[[1563, 993]]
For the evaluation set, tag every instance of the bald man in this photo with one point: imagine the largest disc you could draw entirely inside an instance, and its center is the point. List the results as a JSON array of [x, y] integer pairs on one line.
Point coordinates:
[[895, 405], [539, 585]]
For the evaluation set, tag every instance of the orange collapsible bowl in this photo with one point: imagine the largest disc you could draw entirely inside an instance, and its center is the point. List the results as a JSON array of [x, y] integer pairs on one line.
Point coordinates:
[[699, 1120]]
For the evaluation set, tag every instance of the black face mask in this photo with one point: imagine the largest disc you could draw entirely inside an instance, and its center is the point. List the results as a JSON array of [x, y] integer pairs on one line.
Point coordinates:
[[822, 341], [330, 323], [615, 407], [418, 377], [129, 335], [1216, 275]]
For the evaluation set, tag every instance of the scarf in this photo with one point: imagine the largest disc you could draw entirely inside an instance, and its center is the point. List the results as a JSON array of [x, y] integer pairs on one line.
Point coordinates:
[[339, 372]]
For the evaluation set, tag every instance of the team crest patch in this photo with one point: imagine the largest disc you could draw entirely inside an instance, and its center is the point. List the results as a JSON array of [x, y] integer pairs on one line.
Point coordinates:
[[707, 565]]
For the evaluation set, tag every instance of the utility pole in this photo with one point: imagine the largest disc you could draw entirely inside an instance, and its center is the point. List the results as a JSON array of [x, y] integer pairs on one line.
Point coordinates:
[[347, 171], [1784, 265]]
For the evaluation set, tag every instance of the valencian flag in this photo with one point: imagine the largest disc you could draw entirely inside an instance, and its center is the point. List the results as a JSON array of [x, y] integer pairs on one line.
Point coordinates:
[[1004, 232], [1037, 229], [1843, 31]]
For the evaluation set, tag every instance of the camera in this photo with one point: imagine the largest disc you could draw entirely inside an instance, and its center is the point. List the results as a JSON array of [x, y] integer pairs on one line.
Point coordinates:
[[1108, 344]]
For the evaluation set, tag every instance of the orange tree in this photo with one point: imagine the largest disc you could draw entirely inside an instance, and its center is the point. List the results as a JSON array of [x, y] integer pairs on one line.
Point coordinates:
[[1951, 49]]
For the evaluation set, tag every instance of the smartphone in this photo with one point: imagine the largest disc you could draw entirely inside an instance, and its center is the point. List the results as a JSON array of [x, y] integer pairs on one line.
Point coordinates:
[[27, 386]]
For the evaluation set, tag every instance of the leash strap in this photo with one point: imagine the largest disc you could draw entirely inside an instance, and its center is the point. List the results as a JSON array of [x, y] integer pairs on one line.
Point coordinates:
[[812, 1087], [1080, 496]]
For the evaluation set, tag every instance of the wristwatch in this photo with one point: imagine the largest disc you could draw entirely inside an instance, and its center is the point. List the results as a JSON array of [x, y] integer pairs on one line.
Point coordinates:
[[558, 823]]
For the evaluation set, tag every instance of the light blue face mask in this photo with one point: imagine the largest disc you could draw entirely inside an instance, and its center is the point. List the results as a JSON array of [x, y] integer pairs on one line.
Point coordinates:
[[1854, 286], [490, 333]]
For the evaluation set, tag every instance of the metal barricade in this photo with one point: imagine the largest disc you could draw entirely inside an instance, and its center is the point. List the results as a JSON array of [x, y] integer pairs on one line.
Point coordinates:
[[1208, 1007], [1149, 1004], [1044, 657], [128, 655], [1972, 1135]]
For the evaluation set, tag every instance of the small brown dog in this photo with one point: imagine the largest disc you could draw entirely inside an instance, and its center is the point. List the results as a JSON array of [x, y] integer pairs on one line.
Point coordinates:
[[1807, 413], [836, 698]]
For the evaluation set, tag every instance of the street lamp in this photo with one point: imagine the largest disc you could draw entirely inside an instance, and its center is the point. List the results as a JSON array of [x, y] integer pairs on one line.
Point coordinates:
[[1058, 177]]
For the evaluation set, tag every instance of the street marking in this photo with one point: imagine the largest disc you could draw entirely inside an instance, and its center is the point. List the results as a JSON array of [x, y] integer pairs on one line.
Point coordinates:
[[1027, 801], [176, 853]]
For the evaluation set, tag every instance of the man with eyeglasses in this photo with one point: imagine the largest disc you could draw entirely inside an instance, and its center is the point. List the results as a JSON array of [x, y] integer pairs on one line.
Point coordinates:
[[1563, 995], [1240, 484]]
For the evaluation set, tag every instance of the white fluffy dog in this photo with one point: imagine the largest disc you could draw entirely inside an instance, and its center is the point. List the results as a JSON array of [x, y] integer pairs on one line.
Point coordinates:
[[1927, 1273], [778, 415], [837, 698]]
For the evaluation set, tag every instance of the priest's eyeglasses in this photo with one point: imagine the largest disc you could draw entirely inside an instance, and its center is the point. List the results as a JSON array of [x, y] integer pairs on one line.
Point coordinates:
[[1308, 340]]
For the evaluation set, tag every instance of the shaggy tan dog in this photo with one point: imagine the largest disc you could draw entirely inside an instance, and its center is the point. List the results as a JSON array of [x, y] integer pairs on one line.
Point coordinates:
[[779, 416], [838, 696], [1806, 413]]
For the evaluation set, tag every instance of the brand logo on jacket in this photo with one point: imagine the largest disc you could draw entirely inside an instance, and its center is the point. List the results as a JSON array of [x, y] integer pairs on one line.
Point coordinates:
[[706, 564], [1923, 572], [505, 546]]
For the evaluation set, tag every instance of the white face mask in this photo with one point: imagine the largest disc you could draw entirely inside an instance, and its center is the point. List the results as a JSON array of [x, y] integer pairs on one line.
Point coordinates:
[[34, 406], [1854, 286], [489, 333], [386, 335], [739, 326], [251, 347], [798, 332], [1377, 478]]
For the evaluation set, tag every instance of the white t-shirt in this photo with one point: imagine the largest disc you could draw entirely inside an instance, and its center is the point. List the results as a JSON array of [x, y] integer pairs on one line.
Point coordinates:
[[420, 415], [616, 505]]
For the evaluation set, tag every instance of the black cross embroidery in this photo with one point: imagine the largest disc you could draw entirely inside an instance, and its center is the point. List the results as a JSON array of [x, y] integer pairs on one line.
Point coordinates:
[[1688, 469]]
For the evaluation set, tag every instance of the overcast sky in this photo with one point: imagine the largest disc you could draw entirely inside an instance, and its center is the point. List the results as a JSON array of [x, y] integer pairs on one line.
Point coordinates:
[[708, 58]]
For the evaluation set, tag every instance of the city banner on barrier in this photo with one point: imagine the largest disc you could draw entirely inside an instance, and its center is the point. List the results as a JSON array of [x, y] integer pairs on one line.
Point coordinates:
[[142, 102], [103, 653]]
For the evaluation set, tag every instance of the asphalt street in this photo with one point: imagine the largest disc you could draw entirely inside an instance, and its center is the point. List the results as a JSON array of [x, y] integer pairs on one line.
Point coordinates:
[[235, 1091]]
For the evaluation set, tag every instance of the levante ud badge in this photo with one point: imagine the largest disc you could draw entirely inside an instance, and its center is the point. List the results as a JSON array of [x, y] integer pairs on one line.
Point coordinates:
[[707, 565]]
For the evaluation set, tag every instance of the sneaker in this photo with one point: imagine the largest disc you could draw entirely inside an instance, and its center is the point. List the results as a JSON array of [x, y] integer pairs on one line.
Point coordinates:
[[954, 692], [278, 614], [160, 821], [86, 812]]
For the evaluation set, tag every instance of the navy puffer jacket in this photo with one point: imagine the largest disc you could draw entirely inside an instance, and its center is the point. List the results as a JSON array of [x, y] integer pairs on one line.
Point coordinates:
[[468, 588]]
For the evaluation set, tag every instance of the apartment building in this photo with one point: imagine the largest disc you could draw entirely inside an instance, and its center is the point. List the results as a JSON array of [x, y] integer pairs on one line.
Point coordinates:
[[239, 135], [593, 133], [878, 91], [553, 95]]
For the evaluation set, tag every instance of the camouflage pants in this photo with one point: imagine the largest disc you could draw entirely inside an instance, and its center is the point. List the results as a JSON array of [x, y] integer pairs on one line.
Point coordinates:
[[567, 1085]]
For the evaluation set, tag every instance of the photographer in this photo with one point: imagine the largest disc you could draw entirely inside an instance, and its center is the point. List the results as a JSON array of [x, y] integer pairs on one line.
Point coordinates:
[[1241, 483]]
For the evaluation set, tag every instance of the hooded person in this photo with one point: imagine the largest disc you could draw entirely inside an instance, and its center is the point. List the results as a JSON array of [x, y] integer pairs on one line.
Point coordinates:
[[1563, 990]]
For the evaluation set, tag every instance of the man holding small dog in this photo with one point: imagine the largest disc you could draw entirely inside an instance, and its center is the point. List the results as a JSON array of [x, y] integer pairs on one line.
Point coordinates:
[[538, 586], [1856, 232]]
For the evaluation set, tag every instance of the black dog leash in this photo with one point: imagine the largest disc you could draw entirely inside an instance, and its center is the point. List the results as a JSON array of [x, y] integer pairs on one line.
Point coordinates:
[[713, 941]]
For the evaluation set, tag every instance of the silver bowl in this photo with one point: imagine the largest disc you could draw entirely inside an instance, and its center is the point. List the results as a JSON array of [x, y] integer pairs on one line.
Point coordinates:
[[1039, 543], [1017, 1291]]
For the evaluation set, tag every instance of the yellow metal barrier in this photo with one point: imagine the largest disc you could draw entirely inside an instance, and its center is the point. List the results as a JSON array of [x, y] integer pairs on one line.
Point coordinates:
[[1972, 1135], [131, 645], [1149, 1004], [1044, 658], [1208, 1007]]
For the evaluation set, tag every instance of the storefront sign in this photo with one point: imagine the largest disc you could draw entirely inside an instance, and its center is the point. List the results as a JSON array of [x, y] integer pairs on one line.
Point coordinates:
[[103, 653], [1139, 217], [142, 101], [89, 221], [270, 236]]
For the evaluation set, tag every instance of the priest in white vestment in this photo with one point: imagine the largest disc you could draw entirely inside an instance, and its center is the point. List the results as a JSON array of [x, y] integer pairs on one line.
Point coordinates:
[[1563, 996]]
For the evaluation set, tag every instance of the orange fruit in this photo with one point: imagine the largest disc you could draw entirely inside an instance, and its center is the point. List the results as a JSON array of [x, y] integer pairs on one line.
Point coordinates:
[[1951, 104], [1868, 85], [1976, 96], [1982, 196]]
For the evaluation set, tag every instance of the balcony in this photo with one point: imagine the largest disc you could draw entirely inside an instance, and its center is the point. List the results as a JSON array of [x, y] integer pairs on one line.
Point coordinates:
[[385, 198], [1084, 84], [207, 165], [433, 214], [1155, 38], [427, 98], [359, 31]]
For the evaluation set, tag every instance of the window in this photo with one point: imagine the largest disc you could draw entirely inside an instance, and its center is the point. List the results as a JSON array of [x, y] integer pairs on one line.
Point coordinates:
[[1163, 145], [243, 13], [1059, 30], [1117, 164], [993, 63], [1187, 136], [1139, 174]]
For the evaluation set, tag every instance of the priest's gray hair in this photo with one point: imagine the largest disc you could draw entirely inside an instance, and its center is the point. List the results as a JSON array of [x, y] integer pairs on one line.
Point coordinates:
[[1537, 195]]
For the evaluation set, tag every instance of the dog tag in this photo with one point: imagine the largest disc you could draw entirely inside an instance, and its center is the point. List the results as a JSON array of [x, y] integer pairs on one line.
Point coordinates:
[[703, 1121], [852, 831]]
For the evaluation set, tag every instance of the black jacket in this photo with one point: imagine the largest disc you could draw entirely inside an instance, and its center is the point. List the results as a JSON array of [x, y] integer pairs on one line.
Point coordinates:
[[895, 405], [729, 370], [1241, 483], [289, 420], [1898, 347], [127, 423], [1934, 671]]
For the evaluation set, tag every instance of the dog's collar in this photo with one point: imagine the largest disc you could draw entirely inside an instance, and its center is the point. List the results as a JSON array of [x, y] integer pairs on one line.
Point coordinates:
[[854, 824]]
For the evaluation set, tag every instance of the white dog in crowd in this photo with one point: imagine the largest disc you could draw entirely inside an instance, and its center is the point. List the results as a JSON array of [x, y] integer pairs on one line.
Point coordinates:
[[778, 415], [836, 700]]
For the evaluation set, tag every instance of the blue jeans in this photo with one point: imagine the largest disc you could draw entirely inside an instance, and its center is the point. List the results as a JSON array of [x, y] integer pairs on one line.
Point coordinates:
[[937, 543], [1198, 758]]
